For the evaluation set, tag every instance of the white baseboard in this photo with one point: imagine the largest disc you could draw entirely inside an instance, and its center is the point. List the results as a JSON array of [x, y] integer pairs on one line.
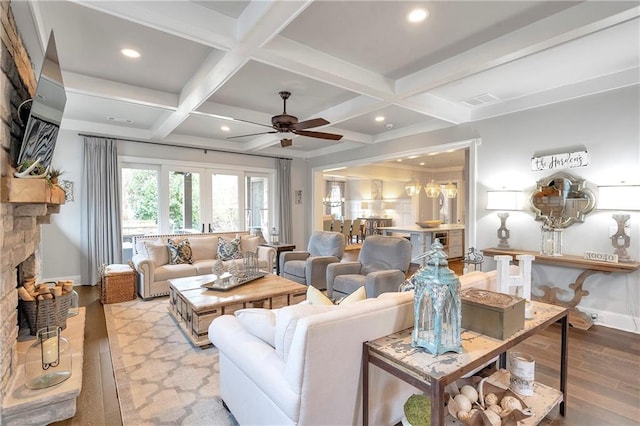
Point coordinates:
[[614, 320]]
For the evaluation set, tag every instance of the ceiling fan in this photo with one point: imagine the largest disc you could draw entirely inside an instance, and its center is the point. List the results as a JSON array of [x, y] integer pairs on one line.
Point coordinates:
[[285, 123]]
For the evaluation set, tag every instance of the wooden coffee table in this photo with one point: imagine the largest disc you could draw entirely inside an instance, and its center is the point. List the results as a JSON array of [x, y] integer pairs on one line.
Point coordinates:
[[194, 307]]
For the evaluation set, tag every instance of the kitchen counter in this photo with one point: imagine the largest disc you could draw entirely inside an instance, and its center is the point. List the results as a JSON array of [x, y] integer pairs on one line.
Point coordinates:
[[451, 236]]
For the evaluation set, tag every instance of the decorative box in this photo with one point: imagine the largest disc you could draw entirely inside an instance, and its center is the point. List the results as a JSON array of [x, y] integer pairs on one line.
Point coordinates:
[[493, 314]]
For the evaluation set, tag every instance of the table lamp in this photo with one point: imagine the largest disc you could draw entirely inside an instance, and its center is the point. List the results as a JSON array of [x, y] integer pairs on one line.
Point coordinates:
[[503, 201], [620, 198]]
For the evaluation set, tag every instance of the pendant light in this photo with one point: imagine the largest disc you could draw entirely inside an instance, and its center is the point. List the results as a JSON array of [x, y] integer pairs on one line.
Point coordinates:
[[450, 190], [432, 189], [412, 187], [332, 199]]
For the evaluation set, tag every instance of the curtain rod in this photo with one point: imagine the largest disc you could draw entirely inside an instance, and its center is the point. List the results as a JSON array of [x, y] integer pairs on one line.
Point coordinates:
[[188, 147]]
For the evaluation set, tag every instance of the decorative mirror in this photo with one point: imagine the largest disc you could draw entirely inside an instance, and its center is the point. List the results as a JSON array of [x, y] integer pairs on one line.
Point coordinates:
[[561, 199]]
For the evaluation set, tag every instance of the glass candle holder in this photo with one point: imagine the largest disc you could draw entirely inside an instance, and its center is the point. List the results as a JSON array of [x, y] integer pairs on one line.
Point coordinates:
[[551, 244], [48, 360]]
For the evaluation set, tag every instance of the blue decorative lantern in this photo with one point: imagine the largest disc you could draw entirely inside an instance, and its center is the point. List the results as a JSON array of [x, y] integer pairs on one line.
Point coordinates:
[[437, 306]]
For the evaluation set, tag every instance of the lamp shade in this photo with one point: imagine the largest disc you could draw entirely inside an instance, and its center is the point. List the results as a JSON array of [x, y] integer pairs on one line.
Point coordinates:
[[619, 197], [503, 200]]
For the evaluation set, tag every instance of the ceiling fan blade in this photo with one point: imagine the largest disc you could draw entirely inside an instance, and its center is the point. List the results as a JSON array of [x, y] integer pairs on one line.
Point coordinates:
[[252, 134], [320, 135], [253, 122], [307, 124]]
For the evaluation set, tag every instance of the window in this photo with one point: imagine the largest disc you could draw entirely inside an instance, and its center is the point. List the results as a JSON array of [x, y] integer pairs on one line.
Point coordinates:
[[140, 204]]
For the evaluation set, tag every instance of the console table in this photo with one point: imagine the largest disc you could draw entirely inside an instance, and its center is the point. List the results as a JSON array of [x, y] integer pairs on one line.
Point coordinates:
[[280, 247], [577, 318], [431, 374]]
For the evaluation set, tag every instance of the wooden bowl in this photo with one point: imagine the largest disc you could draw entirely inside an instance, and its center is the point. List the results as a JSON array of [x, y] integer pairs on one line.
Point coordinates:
[[429, 223]]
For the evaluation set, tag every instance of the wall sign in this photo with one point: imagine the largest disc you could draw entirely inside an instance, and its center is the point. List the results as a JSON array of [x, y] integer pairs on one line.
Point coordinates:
[[601, 257], [565, 160]]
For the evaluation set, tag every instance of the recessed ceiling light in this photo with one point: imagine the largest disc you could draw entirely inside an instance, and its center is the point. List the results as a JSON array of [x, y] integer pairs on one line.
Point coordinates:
[[225, 128], [130, 53], [389, 125], [399, 160], [411, 157], [422, 164], [417, 15], [379, 118]]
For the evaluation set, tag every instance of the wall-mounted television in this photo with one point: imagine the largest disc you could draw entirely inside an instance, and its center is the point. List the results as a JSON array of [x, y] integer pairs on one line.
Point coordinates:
[[45, 115]]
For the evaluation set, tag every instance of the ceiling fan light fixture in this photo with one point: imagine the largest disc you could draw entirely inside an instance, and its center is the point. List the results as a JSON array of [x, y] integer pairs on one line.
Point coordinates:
[[286, 142], [432, 189]]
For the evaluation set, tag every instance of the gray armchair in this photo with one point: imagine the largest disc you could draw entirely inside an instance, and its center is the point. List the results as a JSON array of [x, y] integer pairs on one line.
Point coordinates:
[[381, 267], [310, 267]]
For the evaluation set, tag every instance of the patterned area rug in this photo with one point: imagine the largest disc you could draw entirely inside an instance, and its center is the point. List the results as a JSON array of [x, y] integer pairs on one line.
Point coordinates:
[[161, 377]]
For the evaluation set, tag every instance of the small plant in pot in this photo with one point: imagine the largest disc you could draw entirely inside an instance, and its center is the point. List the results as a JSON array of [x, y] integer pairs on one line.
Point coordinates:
[[30, 168], [53, 175]]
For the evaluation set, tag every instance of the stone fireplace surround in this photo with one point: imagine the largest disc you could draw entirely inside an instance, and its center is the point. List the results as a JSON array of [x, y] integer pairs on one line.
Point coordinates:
[[19, 223]]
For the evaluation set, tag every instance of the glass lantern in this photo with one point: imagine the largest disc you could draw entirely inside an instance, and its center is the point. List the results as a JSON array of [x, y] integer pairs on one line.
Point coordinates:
[[551, 244], [48, 360], [74, 308], [437, 306]]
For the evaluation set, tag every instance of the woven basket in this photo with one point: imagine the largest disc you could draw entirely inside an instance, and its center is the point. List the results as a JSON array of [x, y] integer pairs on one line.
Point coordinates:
[[46, 313], [117, 287]]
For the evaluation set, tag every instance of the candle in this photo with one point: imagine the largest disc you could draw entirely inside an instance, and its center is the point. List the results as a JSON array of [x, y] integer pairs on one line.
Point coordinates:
[[549, 246], [50, 350]]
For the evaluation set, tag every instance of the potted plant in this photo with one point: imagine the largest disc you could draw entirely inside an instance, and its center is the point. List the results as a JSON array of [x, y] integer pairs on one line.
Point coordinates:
[[30, 168], [53, 174]]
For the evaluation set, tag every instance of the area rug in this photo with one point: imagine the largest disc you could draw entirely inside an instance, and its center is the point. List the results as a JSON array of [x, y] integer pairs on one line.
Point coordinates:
[[161, 377]]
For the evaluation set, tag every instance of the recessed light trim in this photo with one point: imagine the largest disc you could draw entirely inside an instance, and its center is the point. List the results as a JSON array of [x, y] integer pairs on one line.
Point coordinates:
[[130, 53], [379, 118], [417, 15]]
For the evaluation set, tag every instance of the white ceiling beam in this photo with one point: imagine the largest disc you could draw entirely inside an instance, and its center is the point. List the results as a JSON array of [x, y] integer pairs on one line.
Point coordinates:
[[352, 108], [415, 129], [106, 89], [213, 74], [577, 21], [107, 130], [630, 77], [436, 107]]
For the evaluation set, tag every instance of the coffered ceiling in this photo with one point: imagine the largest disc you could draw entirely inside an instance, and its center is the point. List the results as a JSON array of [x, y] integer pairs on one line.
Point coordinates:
[[346, 61]]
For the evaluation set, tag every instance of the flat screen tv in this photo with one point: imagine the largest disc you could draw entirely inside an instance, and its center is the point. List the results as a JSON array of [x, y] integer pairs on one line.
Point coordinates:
[[47, 106]]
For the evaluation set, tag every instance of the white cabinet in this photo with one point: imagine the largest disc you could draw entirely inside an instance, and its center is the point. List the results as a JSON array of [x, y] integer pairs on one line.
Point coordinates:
[[455, 244]]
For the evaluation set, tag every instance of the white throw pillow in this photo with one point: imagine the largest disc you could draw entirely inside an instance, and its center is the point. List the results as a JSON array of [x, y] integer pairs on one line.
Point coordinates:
[[204, 248], [158, 252], [287, 321], [259, 322], [249, 243], [316, 297]]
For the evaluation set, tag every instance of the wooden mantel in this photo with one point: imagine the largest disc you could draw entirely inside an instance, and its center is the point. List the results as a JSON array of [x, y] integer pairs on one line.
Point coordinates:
[[576, 318], [30, 191]]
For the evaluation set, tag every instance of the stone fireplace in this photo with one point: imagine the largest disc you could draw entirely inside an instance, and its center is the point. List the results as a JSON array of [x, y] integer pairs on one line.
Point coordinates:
[[19, 223]]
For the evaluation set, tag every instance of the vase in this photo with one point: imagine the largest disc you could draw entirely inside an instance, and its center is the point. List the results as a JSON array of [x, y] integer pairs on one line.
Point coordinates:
[[48, 360]]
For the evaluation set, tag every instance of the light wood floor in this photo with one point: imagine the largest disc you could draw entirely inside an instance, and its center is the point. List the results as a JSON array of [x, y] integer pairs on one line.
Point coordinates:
[[603, 379]]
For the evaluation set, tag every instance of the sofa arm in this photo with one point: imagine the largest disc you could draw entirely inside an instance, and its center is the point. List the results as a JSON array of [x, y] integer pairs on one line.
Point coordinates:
[[267, 254], [292, 255], [316, 270], [342, 268], [145, 267], [379, 282]]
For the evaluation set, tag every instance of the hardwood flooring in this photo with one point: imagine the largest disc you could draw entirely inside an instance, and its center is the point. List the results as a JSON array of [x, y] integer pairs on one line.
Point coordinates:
[[603, 377]]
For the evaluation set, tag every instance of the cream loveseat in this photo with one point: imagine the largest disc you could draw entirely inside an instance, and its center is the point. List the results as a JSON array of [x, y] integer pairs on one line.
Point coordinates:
[[302, 364], [152, 260]]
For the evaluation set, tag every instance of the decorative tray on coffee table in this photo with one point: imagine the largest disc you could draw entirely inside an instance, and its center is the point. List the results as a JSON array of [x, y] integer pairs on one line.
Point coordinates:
[[228, 281]]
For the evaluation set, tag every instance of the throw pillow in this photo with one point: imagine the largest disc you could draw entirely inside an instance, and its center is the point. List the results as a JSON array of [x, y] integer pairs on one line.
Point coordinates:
[[179, 251], [249, 243], [316, 297], [157, 251], [229, 249], [260, 323]]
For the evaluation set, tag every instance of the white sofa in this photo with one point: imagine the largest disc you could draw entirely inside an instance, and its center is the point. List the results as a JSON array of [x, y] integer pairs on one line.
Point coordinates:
[[302, 364], [151, 258]]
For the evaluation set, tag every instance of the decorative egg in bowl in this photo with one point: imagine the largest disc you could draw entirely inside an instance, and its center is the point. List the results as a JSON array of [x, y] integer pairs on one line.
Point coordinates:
[[429, 223]]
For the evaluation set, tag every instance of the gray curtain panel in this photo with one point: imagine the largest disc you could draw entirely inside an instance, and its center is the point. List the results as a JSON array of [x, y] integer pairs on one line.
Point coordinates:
[[101, 227], [284, 188]]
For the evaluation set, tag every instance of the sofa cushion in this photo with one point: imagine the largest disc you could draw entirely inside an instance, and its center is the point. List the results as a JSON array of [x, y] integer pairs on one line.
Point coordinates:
[[229, 249], [348, 283], [179, 251], [167, 272], [203, 248], [259, 322], [157, 251], [317, 297], [249, 243], [296, 268], [287, 321]]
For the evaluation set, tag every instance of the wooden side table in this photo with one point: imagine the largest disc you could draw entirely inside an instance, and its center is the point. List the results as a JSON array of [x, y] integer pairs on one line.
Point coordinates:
[[280, 247]]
